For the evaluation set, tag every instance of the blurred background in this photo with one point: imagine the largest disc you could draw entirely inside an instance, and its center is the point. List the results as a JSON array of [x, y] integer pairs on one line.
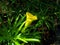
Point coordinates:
[[47, 11]]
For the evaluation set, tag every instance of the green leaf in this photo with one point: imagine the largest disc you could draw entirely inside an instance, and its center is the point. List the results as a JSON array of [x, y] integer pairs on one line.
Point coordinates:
[[22, 39], [32, 39], [47, 24], [20, 21], [16, 20], [39, 23], [16, 43]]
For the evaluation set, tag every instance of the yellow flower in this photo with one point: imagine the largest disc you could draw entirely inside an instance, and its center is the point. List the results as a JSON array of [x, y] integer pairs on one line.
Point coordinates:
[[29, 18]]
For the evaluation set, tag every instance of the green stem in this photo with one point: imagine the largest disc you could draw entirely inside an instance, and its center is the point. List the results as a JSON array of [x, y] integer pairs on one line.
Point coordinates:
[[23, 30]]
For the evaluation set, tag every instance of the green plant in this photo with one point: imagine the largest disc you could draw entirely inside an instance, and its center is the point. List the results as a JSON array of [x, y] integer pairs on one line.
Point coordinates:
[[46, 11], [17, 32]]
